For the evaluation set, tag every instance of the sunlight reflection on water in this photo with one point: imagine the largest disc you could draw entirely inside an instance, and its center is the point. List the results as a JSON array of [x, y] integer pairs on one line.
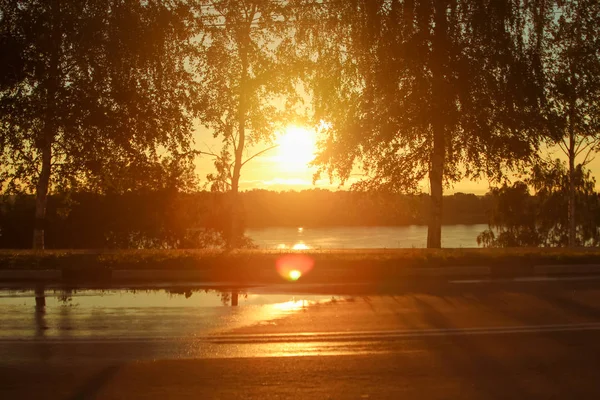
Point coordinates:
[[140, 313], [295, 246]]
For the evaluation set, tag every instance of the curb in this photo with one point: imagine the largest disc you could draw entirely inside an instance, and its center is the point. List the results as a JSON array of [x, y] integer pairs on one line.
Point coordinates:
[[267, 275], [161, 275], [566, 269], [30, 275], [452, 271]]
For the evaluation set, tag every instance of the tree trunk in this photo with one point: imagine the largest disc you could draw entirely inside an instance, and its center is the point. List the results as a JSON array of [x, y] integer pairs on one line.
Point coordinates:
[[571, 212], [436, 175], [236, 230], [48, 131], [41, 196], [438, 152]]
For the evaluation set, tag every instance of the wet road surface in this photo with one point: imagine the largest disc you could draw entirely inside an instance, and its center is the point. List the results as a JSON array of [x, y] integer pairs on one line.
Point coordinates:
[[535, 339]]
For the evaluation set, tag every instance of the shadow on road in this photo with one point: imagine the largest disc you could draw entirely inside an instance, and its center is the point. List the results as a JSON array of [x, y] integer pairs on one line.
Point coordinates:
[[478, 370], [95, 384], [573, 306]]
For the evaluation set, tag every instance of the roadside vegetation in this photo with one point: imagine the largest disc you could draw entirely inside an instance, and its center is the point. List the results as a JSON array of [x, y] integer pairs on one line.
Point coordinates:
[[252, 261], [520, 219]]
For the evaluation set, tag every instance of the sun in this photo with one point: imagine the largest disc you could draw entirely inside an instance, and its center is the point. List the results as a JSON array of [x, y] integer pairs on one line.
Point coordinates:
[[297, 147]]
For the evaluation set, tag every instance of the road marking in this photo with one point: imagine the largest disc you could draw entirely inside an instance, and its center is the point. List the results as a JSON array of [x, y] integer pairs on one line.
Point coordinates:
[[527, 279], [401, 334], [322, 336]]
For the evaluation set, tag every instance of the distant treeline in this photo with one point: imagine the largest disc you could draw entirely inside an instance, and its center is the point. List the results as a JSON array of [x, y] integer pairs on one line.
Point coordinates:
[[317, 208], [170, 219]]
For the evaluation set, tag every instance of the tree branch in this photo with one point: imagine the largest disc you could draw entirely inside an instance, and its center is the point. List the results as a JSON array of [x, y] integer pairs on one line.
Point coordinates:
[[233, 141], [586, 159], [259, 153], [565, 149], [212, 3], [580, 149], [578, 145], [590, 145], [209, 153], [562, 139]]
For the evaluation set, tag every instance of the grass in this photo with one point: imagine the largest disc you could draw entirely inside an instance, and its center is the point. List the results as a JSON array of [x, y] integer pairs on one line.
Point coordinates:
[[325, 259], [246, 267]]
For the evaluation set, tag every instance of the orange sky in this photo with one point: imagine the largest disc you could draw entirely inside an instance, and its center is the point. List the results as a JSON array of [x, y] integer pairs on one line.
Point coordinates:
[[284, 168]]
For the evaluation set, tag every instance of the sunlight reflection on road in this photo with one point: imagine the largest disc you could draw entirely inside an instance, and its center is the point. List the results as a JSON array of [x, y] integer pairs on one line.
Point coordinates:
[[294, 349]]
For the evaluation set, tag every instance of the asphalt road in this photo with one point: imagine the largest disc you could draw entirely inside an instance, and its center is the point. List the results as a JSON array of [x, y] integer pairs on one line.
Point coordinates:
[[469, 340]]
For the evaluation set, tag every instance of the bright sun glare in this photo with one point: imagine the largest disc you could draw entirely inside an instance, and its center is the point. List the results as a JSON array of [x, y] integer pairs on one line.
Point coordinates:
[[295, 274], [296, 149]]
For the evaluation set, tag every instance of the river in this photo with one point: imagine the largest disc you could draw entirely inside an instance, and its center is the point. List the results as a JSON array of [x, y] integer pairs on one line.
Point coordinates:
[[455, 236]]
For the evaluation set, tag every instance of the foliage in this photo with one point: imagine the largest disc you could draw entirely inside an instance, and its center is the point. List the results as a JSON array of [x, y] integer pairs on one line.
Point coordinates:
[[104, 93], [571, 69], [513, 217], [143, 219], [570, 66], [245, 66], [340, 265], [121, 88], [411, 90], [519, 219]]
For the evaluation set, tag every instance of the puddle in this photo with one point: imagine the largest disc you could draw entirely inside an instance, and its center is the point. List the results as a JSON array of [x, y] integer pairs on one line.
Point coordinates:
[[129, 313]]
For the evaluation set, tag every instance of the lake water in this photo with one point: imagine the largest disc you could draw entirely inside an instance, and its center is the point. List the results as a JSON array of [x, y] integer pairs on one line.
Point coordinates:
[[454, 236]]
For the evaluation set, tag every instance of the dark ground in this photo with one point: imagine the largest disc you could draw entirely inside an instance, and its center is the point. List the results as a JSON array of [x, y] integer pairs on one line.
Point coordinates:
[[471, 341]]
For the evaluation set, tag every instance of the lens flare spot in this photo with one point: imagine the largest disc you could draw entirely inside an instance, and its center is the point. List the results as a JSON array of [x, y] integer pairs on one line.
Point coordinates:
[[295, 274], [292, 267]]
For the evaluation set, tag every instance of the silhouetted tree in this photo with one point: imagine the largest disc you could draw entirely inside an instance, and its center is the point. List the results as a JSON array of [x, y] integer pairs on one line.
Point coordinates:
[[102, 86], [245, 69], [571, 68], [12, 68], [512, 218], [409, 90], [520, 219]]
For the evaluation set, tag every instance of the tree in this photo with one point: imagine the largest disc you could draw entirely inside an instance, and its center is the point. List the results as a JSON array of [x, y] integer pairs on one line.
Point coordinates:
[[513, 220], [571, 68], [409, 90], [519, 219], [553, 182], [101, 85], [246, 69], [12, 67]]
